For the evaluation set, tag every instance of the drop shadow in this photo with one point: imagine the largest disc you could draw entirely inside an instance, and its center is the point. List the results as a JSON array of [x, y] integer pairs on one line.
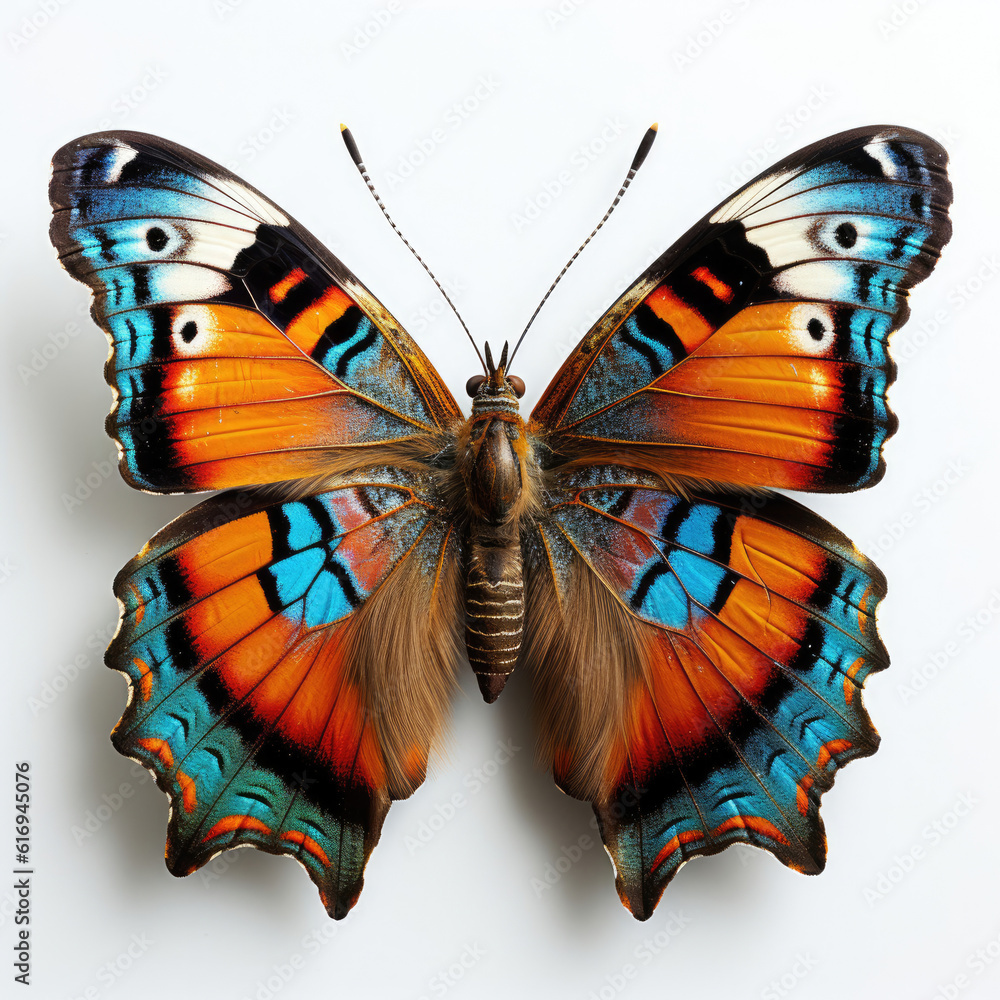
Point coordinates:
[[579, 879]]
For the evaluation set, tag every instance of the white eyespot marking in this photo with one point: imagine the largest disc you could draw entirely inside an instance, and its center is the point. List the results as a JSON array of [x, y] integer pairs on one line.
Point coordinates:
[[193, 241], [789, 241], [879, 151], [194, 331], [810, 329], [120, 155]]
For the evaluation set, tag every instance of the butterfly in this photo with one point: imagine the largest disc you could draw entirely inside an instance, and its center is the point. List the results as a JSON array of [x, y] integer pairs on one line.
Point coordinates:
[[697, 642]]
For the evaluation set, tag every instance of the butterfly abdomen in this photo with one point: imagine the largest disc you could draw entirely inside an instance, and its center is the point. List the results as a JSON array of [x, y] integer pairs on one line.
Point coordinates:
[[494, 612]]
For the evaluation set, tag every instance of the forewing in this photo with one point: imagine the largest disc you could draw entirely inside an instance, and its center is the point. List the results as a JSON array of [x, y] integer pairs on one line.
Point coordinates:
[[699, 663], [242, 351], [289, 664], [754, 351]]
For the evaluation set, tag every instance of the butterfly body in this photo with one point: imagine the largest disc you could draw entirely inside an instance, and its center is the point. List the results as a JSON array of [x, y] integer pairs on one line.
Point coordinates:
[[500, 478], [697, 643]]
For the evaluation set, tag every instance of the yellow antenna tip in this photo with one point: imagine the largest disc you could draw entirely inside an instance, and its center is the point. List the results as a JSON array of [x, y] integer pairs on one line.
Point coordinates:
[[655, 126], [343, 127]]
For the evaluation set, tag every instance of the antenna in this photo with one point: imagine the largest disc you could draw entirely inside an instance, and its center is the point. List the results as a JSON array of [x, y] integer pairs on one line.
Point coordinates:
[[352, 148], [637, 160]]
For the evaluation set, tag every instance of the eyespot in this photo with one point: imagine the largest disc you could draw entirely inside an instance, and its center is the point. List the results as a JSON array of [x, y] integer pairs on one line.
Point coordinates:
[[472, 386], [517, 385]]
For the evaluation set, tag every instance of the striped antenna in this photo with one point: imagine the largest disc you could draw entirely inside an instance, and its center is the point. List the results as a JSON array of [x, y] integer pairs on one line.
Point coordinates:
[[352, 148], [640, 155]]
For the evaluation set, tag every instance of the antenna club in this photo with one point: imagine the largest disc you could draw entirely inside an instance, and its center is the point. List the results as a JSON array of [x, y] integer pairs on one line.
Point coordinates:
[[644, 147], [352, 147]]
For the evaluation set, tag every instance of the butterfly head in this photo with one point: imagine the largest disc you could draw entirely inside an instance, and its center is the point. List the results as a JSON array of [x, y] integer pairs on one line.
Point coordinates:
[[497, 382]]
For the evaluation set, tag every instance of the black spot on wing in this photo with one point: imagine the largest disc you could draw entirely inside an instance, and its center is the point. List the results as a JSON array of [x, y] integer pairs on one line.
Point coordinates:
[[132, 338], [846, 235], [175, 586], [180, 645], [156, 239], [106, 243], [899, 242], [140, 283], [162, 345], [865, 273]]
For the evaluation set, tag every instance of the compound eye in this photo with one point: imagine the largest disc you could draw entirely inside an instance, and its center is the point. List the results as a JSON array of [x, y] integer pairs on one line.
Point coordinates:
[[517, 385], [472, 386]]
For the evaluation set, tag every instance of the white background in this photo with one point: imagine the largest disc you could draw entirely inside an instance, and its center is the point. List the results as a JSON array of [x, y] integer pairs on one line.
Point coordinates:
[[904, 905]]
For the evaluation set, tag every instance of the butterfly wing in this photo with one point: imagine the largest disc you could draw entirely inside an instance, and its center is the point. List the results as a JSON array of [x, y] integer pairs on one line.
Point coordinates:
[[699, 663], [289, 649], [699, 651], [289, 664], [754, 350], [242, 351]]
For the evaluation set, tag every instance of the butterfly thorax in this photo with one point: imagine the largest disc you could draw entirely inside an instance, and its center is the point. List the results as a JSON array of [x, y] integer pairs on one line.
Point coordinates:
[[494, 459]]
